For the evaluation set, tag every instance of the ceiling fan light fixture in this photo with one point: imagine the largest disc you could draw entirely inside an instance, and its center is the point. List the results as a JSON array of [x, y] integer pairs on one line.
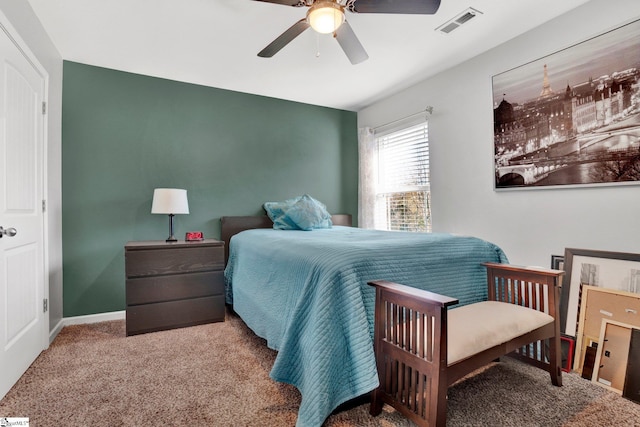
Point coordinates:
[[325, 16]]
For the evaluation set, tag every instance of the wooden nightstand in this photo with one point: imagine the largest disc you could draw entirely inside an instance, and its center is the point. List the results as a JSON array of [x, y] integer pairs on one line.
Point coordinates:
[[173, 284]]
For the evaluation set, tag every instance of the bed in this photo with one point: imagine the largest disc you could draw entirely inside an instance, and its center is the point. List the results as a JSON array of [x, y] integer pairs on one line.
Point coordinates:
[[306, 294]]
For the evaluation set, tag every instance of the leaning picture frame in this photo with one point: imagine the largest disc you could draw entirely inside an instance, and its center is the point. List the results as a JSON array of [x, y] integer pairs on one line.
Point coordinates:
[[611, 270], [557, 262], [612, 355]]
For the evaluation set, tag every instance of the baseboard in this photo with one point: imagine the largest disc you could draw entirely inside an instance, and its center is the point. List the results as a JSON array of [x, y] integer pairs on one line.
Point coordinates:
[[89, 318], [95, 318], [56, 330]]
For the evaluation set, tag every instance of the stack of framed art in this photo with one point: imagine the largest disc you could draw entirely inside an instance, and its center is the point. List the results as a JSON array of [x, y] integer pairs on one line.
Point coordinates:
[[600, 309]]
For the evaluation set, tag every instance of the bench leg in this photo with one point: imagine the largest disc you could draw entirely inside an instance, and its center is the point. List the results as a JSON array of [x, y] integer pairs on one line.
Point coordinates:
[[555, 361], [440, 419]]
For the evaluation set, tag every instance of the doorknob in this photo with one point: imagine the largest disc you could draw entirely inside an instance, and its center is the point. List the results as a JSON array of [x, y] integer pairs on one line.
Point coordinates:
[[8, 232]]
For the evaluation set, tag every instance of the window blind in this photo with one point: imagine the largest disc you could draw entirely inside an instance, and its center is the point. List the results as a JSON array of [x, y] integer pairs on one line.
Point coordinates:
[[403, 195]]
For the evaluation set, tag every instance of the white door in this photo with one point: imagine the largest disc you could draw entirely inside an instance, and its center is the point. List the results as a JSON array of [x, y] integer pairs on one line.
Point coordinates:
[[23, 327]]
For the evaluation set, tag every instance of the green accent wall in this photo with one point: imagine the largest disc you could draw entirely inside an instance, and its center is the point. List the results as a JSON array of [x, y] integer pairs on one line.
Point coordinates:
[[125, 134]]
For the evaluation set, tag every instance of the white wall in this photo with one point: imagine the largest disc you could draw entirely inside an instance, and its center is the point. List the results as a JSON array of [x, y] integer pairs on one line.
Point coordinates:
[[530, 225], [25, 22]]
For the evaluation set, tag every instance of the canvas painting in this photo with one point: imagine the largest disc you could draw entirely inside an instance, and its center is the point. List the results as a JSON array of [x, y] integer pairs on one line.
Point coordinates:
[[571, 118]]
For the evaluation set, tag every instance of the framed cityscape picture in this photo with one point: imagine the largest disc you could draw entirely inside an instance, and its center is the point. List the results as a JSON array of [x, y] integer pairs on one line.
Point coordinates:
[[571, 118]]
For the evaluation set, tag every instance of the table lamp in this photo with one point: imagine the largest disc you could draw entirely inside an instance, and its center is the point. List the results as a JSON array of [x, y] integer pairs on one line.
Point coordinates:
[[170, 201]]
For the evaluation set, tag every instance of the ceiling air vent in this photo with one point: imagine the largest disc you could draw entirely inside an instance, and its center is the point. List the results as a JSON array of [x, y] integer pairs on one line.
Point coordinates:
[[462, 18]]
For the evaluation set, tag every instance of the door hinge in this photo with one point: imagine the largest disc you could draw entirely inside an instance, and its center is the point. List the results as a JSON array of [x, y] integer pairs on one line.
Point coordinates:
[[44, 205], [44, 107], [45, 305]]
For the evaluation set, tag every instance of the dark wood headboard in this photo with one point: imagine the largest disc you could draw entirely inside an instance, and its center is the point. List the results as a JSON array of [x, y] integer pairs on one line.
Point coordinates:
[[231, 225]]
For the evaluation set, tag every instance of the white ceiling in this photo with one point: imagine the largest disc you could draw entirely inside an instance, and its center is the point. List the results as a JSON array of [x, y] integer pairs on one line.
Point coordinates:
[[215, 42]]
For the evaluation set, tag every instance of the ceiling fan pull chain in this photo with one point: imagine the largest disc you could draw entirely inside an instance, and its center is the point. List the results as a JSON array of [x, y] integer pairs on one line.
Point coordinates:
[[317, 45]]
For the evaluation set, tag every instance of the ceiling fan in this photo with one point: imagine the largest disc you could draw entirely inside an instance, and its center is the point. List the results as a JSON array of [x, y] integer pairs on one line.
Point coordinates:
[[327, 16]]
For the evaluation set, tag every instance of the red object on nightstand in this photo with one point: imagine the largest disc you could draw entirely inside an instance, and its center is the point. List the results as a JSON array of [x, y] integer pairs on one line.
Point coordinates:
[[192, 236]]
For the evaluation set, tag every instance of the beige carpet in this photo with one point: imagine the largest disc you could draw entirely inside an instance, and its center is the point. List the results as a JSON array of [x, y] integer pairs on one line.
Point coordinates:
[[218, 375]]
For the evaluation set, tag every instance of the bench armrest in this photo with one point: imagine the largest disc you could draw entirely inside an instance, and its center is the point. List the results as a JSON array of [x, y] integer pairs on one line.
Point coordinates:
[[414, 293]]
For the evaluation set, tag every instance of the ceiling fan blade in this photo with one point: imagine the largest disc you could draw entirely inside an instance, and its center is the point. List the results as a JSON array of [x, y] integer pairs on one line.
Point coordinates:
[[283, 39], [408, 7], [297, 3], [350, 44]]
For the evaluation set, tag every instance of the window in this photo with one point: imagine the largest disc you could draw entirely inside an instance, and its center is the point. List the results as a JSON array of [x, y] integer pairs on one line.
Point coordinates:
[[403, 196]]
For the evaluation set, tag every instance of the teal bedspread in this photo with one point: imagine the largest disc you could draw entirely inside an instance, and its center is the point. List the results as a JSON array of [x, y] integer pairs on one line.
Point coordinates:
[[306, 293]]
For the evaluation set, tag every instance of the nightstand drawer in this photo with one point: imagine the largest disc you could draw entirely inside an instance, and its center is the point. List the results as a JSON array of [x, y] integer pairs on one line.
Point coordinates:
[[174, 314], [153, 262], [144, 290]]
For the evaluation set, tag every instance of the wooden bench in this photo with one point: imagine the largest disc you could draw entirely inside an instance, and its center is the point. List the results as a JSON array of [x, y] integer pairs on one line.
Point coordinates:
[[422, 347]]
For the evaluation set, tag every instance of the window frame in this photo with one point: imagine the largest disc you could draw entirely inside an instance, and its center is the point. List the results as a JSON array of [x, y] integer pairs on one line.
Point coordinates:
[[399, 138]]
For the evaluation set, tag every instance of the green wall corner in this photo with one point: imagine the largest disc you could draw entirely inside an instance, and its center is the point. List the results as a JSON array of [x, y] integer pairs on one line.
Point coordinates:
[[125, 134]]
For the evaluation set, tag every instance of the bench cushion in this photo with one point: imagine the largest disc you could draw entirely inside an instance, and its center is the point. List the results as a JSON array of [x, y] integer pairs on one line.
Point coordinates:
[[477, 327]]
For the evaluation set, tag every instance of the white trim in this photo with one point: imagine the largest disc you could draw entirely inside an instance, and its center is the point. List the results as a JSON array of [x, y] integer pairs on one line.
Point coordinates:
[[95, 318], [7, 27], [86, 319], [55, 331]]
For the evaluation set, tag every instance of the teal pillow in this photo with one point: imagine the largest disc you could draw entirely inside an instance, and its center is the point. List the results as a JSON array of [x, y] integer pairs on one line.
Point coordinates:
[[277, 212], [308, 213]]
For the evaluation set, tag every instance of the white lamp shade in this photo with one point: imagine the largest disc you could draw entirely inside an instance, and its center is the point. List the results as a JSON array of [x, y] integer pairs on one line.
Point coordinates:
[[169, 201], [325, 17]]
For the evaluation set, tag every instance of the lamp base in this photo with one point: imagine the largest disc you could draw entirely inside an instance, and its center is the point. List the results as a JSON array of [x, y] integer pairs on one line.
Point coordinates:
[[171, 238]]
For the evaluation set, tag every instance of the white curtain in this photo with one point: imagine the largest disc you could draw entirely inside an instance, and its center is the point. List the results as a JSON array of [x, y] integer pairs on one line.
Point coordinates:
[[367, 155]]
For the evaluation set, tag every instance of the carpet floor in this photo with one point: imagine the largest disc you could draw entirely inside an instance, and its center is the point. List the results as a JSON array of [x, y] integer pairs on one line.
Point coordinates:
[[218, 375]]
